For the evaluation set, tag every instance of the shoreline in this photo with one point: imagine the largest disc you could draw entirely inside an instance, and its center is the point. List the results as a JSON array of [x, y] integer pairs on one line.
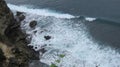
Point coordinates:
[[13, 43]]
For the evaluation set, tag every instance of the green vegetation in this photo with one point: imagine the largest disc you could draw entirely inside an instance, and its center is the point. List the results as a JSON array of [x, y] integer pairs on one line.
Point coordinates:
[[58, 61], [61, 55], [53, 65]]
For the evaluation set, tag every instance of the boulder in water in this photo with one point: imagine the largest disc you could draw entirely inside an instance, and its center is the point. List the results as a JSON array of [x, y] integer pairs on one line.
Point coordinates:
[[47, 37], [19, 13], [33, 24], [20, 16]]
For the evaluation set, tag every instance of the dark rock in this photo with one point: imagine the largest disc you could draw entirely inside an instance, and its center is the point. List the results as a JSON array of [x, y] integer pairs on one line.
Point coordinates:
[[37, 63], [42, 50], [15, 50], [30, 46], [21, 17], [12, 60], [33, 24], [47, 37], [6, 17], [35, 47], [2, 57], [19, 13], [28, 40], [11, 35], [35, 31]]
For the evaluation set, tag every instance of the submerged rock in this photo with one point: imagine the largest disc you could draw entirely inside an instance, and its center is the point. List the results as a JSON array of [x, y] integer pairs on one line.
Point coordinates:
[[47, 37], [42, 50], [33, 24]]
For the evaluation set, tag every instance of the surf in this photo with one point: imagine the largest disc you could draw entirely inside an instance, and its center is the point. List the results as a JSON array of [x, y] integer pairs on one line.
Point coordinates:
[[68, 36], [43, 12]]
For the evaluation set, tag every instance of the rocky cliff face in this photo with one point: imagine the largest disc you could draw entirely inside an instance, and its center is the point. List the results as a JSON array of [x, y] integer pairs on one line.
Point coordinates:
[[13, 45], [6, 17]]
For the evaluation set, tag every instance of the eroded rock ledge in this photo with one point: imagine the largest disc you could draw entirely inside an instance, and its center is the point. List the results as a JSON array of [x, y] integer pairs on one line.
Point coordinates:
[[14, 51]]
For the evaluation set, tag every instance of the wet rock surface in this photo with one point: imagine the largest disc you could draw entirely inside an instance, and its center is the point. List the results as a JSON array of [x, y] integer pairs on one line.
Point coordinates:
[[20, 16], [19, 13], [33, 24]]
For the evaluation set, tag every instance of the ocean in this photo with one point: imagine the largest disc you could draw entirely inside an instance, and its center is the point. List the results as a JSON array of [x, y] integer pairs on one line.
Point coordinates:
[[86, 32]]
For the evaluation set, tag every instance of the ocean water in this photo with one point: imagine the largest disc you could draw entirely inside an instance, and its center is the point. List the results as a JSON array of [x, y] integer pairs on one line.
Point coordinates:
[[108, 9], [85, 40]]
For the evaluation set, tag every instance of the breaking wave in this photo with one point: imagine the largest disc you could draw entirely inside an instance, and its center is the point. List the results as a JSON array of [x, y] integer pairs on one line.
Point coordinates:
[[43, 12]]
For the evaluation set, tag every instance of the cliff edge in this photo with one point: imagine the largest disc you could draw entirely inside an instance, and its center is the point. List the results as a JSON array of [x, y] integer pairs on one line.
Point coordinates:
[[14, 51]]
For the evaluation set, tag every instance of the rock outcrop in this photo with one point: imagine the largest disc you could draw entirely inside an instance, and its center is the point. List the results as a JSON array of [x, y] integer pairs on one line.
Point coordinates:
[[33, 24], [6, 17], [14, 51]]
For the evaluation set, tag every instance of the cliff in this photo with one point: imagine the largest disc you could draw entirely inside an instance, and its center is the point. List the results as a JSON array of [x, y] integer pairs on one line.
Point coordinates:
[[14, 51]]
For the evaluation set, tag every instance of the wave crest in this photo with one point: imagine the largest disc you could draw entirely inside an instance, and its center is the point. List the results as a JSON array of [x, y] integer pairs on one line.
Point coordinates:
[[43, 12]]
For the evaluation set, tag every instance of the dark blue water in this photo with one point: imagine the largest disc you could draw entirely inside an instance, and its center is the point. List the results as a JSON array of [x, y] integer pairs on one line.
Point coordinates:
[[108, 9], [105, 31]]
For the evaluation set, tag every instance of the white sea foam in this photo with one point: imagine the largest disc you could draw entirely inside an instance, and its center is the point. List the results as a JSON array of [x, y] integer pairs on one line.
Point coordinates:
[[68, 37], [43, 12], [90, 19]]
